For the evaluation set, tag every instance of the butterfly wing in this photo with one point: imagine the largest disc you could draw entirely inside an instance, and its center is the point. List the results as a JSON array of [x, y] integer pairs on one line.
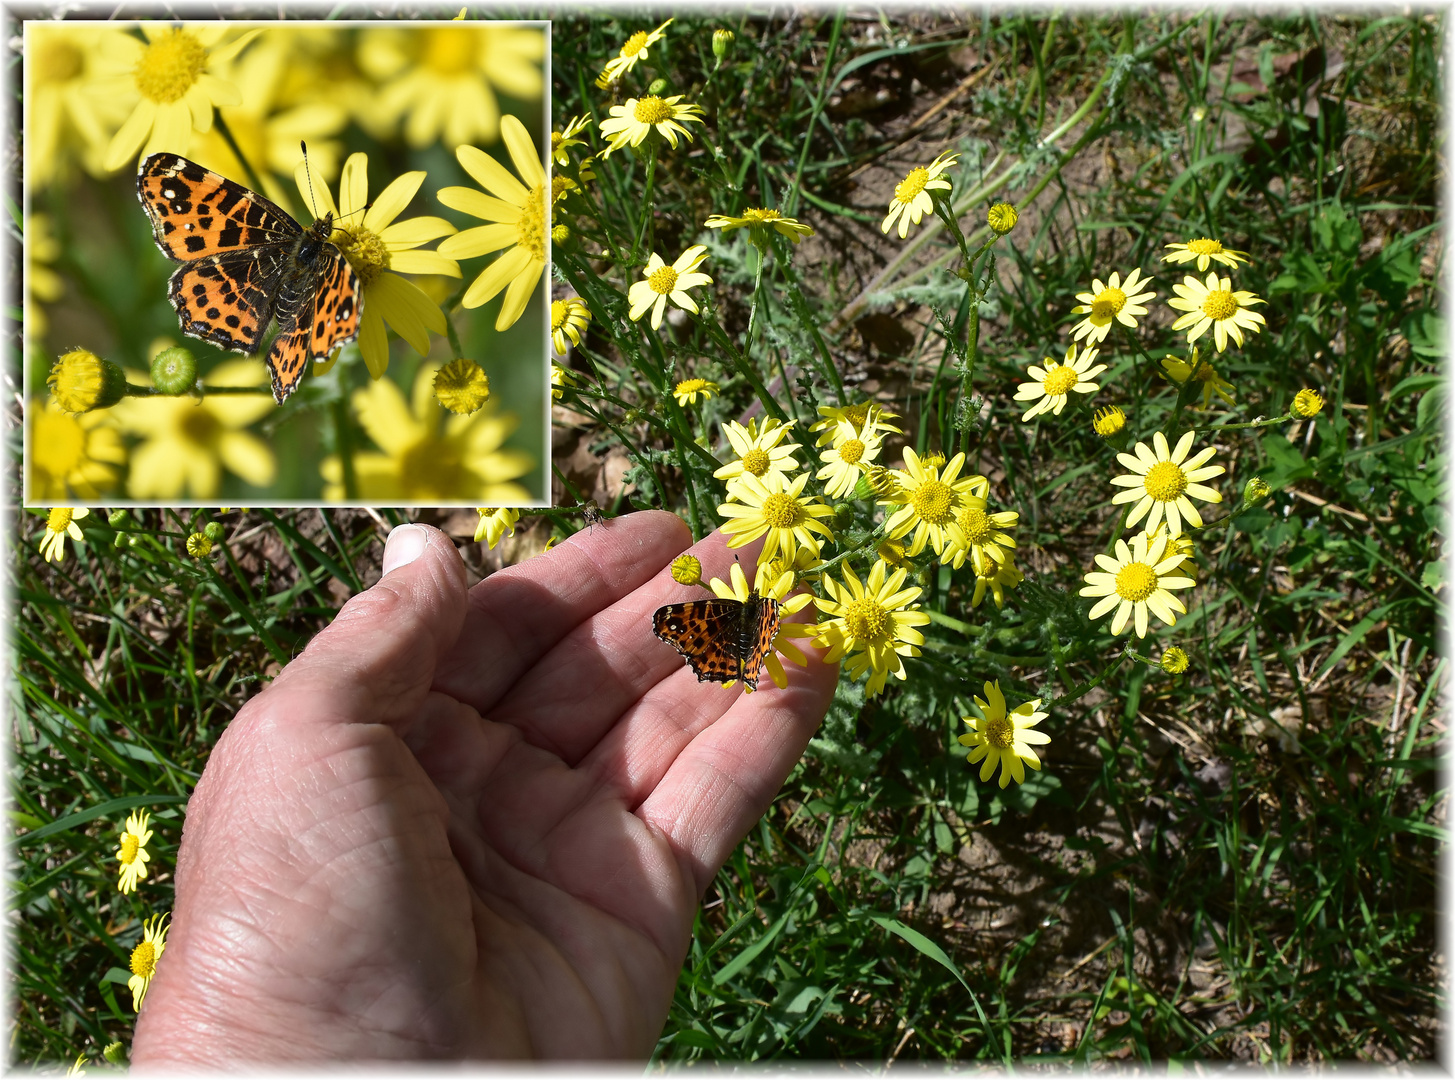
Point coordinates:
[[760, 625], [226, 299], [319, 307], [706, 633], [197, 213]]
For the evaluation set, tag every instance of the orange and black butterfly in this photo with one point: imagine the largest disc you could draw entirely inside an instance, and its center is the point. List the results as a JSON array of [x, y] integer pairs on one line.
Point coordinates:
[[723, 640]]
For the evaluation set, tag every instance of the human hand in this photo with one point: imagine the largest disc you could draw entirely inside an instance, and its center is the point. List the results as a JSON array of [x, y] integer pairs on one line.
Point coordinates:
[[470, 824]]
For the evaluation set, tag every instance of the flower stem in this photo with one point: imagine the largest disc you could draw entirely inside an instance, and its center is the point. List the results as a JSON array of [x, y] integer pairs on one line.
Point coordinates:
[[227, 137]]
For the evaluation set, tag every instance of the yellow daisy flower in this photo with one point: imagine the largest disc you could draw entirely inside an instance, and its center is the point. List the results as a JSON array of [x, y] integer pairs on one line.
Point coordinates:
[[663, 283], [66, 107], [929, 502], [1194, 367], [987, 544], [561, 378], [132, 854], [186, 443], [873, 624], [426, 454], [496, 524], [1004, 739], [445, 77], [562, 141], [633, 121], [772, 583], [1213, 303], [1161, 482], [70, 456], [689, 390], [761, 224], [1115, 301], [759, 450], [1177, 544], [912, 199], [1206, 252], [775, 507], [517, 212], [633, 51], [870, 417], [168, 85], [851, 454], [1050, 387], [998, 578], [380, 249], [144, 959], [59, 524], [1135, 582], [569, 318]]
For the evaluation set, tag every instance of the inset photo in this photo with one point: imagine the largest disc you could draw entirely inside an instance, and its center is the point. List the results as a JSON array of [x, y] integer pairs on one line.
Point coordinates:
[[286, 263]]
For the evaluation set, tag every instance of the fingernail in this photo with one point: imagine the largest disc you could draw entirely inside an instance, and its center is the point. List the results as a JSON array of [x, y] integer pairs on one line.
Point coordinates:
[[405, 544]]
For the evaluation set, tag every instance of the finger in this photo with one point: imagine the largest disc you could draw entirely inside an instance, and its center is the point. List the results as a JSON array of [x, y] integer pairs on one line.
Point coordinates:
[[582, 687], [374, 663], [519, 614]]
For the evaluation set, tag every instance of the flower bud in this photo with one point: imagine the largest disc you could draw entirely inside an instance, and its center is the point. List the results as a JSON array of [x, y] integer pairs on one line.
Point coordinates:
[[722, 43], [1254, 492], [81, 381], [658, 87], [214, 531], [118, 518], [174, 371], [687, 570], [462, 386], [1002, 218], [1174, 661], [1307, 403], [199, 546]]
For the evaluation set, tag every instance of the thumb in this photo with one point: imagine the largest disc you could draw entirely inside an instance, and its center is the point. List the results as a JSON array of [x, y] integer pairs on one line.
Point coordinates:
[[376, 661]]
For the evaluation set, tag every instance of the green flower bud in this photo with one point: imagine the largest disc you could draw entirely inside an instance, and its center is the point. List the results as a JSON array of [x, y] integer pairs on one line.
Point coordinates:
[[1254, 492], [214, 531], [722, 43], [118, 518], [174, 371], [658, 87]]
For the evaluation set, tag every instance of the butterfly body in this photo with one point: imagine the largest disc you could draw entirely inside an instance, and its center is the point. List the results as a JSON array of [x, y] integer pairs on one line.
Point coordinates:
[[245, 263], [723, 640]]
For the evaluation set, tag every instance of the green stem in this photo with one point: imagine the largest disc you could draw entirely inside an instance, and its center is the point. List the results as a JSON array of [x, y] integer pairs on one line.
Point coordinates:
[[227, 137], [1250, 424], [338, 411], [455, 347], [1091, 684], [646, 203], [718, 334]]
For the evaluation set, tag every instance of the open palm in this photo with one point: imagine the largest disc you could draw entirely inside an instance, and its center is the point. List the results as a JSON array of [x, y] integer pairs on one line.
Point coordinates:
[[470, 824]]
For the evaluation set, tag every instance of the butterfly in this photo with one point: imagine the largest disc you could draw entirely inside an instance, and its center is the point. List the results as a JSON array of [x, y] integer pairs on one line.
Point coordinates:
[[246, 262], [722, 639]]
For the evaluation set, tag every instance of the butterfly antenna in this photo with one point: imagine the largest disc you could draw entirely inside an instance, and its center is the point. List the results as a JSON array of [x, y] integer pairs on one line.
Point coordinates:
[[312, 197]]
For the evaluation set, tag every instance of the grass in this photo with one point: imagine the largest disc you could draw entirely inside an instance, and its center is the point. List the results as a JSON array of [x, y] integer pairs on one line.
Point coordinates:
[[1237, 863]]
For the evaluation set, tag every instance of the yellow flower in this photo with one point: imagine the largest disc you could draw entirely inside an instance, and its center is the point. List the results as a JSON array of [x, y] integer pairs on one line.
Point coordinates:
[[873, 624], [1135, 582], [1116, 300], [775, 507], [1108, 421], [462, 386], [59, 524], [427, 454], [1177, 544], [1308, 403], [634, 50], [848, 458], [1174, 661], [1214, 304], [986, 541], [517, 212], [144, 959], [1205, 251], [632, 122], [998, 578], [868, 416], [1050, 387], [761, 224], [70, 456], [380, 249], [689, 390], [81, 381], [562, 141], [42, 283], [569, 318], [76, 1066], [759, 451], [167, 85], [132, 854], [1161, 482], [560, 379], [912, 199], [445, 77], [494, 525], [663, 283], [186, 443], [687, 569], [1002, 218], [67, 108], [929, 502], [1004, 739], [1194, 367], [771, 583]]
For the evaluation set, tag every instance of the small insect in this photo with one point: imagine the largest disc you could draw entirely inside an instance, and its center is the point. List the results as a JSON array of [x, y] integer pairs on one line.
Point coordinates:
[[722, 639], [247, 262], [591, 511]]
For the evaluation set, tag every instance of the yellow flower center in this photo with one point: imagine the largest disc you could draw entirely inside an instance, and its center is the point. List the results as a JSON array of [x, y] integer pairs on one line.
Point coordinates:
[[1000, 732], [365, 251], [663, 280], [144, 959], [556, 140], [58, 447], [851, 452], [58, 519], [906, 190], [530, 230], [867, 620], [975, 523], [652, 110], [1220, 304], [1136, 581], [1107, 305], [857, 414], [933, 501], [462, 386], [129, 847], [782, 511], [433, 468], [199, 426], [1204, 246], [761, 215], [451, 50], [58, 62], [559, 311], [170, 66], [1060, 379], [1165, 481], [756, 461], [635, 44]]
